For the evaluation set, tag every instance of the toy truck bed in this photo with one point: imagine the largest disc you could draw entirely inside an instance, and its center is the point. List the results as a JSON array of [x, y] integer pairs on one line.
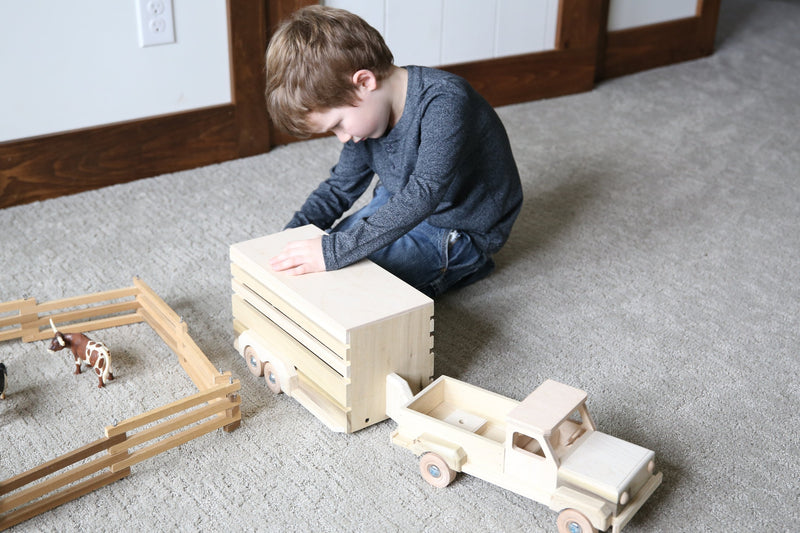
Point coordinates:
[[451, 411]]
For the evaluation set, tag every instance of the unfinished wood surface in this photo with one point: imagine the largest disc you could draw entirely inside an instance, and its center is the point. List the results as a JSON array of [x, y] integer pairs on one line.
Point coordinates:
[[172, 408], [154, 303], [336, 358], [165, 426], [170, 442], [82, 314], [57, 481], [66, 495], [33, 319], [509, 443], [88, 326], [23, 317], [547, 406], [338, 301], [342, 331], [242, 278], [74, 301], [402, 345], [54, 465], [290, 339], [295, 354]]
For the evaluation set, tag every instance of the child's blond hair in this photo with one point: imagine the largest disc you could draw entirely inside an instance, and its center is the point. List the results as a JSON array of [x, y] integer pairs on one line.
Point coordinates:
[[310, 62]]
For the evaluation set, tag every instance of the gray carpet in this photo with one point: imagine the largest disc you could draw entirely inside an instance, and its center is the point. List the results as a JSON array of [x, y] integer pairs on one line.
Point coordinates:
[[655, 265]]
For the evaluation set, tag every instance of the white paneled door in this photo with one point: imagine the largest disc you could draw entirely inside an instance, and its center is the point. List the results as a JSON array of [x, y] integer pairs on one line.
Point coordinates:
[[445, 32]]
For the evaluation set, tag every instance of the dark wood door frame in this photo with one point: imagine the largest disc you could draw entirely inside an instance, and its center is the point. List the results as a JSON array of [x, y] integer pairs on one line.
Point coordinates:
[[633, 50], [65, 163]]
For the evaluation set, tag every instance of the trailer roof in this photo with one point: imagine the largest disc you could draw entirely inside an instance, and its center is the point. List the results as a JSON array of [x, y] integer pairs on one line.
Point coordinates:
[[546, 407]]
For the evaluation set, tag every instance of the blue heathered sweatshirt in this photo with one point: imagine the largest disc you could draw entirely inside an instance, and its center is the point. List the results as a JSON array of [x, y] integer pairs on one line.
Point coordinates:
[[447, 160]]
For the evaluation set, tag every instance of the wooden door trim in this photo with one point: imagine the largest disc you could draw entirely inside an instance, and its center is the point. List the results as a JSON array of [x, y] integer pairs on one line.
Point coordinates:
[[636, 49], [64, 163]]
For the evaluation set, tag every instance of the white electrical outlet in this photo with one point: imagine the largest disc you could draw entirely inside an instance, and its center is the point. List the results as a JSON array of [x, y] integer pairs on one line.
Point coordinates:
[[156, 25]]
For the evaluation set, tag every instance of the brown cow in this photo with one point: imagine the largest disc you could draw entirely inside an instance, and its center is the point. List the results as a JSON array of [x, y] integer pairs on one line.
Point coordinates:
[[85, 350]]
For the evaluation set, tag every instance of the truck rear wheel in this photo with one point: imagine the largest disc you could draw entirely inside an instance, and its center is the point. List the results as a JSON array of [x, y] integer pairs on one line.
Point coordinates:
[[572, 521], [271, 377], [435, 471], [253, 362]]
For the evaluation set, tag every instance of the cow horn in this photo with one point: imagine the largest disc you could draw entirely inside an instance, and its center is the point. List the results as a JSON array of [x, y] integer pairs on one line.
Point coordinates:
[[58, 335]]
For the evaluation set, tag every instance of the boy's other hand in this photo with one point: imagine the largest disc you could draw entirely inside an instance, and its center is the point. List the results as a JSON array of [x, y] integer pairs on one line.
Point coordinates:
[[300, 257]]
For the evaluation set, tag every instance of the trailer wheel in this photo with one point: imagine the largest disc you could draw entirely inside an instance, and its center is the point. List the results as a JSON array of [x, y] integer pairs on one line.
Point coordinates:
[[435, 471], [253, 362], [572, 521], [271, 377]]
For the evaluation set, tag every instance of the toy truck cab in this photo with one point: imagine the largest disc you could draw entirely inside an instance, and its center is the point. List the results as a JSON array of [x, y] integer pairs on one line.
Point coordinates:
[[546, 448], [591, 476]]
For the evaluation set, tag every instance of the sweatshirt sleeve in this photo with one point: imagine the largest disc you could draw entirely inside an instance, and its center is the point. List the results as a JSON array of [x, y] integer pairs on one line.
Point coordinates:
[[348, 180], [440, 152]]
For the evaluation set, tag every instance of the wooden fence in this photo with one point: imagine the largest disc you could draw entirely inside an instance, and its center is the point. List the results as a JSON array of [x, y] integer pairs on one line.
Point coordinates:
[[131, 441]]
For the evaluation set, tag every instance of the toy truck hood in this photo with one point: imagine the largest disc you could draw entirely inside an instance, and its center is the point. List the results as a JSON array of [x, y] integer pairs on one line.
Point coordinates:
[[604, 465]]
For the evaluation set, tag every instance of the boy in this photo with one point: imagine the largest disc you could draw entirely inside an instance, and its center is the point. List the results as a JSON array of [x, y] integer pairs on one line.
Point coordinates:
[[448, 190]]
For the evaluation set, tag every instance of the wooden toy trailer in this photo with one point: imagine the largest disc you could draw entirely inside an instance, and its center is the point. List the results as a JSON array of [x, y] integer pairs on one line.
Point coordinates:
[[75, 473], [329, 339], [545, 448]]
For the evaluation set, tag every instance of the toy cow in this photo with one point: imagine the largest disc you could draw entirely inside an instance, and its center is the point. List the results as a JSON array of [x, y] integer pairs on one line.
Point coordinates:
[[85, 350], [3, 375]]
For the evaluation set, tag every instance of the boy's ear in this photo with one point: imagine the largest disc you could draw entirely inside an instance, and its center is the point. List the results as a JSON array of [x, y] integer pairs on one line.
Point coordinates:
[[365, 80]]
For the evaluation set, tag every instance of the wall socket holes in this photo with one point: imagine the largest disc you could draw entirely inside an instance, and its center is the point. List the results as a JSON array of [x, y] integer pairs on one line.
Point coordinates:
[[155, 22]]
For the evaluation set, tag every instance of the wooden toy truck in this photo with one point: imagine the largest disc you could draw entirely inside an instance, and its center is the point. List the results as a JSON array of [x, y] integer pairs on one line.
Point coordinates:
[[545, 448], [329, 339]]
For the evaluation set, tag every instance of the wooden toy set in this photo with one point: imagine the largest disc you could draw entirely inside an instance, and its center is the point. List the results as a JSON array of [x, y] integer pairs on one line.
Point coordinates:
[[329, 339], [110, 458], [354, 346]]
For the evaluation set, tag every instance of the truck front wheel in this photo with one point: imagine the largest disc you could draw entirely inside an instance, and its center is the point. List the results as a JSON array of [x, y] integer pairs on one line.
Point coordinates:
[[435, 471], [572, 521]]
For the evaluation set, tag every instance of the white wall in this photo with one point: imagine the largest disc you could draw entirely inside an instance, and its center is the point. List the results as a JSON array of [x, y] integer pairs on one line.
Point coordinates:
[[624, 14], [442, 32], [75, 64]]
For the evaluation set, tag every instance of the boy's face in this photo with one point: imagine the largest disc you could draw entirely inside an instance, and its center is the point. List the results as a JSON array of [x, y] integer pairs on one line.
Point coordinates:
[[368, 118]]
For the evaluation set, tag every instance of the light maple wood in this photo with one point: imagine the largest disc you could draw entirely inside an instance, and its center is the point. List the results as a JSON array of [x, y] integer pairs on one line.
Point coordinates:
[[545, 447], [341, 332]]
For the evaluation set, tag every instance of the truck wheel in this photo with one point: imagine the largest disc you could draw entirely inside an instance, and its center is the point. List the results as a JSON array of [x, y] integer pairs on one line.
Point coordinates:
[[435, 471], [572, 521], [253, 362], [271, 377]]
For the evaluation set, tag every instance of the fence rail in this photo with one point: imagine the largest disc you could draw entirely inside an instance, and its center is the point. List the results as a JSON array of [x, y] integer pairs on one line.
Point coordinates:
[[126, 443]]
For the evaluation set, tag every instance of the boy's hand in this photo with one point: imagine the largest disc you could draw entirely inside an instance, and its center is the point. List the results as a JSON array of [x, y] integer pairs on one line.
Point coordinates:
[[300, 257]]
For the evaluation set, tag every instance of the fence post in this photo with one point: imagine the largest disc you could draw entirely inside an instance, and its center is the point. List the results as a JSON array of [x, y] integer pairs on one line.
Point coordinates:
[[120, 449], [28, 318]]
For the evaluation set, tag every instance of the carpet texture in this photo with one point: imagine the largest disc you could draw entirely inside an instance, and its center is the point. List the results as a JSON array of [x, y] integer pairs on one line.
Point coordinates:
[[655, 264]]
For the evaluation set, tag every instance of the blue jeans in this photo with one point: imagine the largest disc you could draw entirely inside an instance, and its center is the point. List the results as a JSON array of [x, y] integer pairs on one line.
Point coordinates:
[[431, 259]]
